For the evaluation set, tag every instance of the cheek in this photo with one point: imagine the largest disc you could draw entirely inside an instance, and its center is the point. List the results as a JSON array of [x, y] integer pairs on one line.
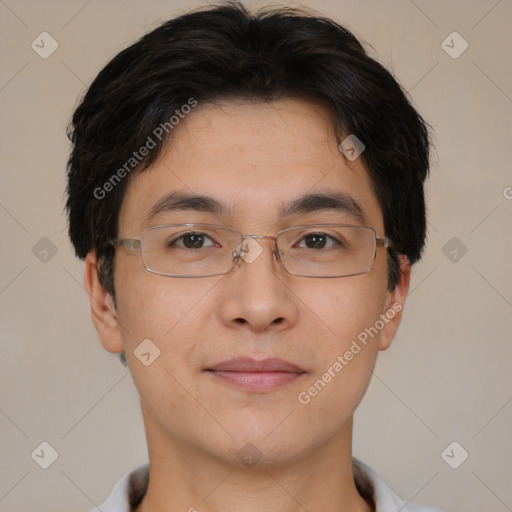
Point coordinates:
[[153, 305], [348, 310], [348, 305], [165, 311]]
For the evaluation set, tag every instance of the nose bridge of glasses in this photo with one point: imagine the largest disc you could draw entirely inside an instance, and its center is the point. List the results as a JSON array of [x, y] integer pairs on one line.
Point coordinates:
[[260, 236], [244, 247]]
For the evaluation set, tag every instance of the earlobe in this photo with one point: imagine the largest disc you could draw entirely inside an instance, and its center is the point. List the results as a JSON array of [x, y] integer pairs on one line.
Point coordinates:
[[392, 314], [104, 314]]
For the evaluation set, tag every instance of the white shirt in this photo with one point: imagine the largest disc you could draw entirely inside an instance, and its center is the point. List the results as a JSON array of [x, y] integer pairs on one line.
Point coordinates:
[[367, 481]]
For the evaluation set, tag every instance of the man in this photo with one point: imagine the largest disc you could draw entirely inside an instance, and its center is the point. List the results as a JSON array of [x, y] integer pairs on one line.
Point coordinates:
[[247, 193]]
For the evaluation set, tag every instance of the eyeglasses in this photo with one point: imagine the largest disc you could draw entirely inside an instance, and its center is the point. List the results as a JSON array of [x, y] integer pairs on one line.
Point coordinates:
[[203, 250]]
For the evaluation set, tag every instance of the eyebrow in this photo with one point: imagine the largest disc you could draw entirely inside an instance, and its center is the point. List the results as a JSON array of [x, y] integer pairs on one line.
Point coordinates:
[[308, 203], [322, 201], [186, 201]]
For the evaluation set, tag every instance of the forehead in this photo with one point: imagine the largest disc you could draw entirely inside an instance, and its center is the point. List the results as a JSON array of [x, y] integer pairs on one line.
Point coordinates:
[[254, 160]]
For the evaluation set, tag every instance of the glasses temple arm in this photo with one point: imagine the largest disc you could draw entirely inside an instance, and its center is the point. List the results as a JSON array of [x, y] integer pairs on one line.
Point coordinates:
[[127, 243], [385, 241]]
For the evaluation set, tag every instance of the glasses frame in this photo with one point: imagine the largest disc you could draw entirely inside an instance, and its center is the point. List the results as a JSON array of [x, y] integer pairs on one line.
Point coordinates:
[[136, 244]]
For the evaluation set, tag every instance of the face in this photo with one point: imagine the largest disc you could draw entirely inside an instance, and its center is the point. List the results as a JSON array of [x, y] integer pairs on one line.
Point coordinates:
[[254, 159]]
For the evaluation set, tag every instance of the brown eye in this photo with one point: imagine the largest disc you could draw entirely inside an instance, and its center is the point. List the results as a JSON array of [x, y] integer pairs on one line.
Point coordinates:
[[192, 241], [318, 241]]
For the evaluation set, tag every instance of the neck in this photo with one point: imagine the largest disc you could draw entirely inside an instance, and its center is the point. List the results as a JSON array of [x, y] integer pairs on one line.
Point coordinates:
[[184, 478]]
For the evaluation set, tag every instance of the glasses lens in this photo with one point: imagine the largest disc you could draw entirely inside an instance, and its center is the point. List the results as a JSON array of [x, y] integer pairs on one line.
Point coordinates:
[[327, 250], [191, 250]]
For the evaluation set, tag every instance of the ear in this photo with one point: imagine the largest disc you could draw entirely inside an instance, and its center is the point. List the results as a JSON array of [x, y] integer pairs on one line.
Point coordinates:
[[392, 314], [104, 315]]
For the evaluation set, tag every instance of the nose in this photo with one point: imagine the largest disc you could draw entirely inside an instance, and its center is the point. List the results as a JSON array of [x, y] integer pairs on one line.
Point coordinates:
[[257, 293]]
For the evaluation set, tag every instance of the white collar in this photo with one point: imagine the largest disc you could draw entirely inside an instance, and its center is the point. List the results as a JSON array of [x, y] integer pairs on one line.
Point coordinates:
[[367, 480]]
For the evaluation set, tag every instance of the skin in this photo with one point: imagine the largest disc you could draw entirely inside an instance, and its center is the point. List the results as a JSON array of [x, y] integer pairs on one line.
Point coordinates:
[[253, 157]]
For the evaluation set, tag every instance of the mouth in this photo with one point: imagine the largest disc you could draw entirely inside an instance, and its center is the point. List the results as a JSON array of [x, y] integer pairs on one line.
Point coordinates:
[[257, 376]]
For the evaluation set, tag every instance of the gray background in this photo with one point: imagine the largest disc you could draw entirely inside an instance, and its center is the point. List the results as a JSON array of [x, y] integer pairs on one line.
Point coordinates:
[[445, 378]]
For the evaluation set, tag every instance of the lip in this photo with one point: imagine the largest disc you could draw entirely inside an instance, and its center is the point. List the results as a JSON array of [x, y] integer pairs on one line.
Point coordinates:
[[257, 376], [246, 364]]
